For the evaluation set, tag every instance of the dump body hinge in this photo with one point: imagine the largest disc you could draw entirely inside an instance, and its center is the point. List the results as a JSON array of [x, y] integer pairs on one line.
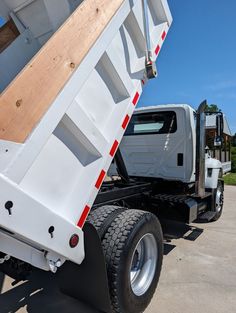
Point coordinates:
[[150, 66]]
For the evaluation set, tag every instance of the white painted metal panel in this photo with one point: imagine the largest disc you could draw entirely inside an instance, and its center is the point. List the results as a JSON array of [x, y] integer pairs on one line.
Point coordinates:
[[155, 155], [56, 174], [4, 10]]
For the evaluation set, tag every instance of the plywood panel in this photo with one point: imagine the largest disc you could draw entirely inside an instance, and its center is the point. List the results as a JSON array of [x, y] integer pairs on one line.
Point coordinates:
[[25, 101]]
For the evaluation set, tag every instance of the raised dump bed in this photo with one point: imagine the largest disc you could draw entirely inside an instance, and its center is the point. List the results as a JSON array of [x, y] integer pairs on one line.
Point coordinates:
[[72, 73], [63, 116]]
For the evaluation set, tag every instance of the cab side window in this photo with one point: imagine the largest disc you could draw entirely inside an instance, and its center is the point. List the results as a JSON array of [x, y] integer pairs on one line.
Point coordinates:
[[152, 123]]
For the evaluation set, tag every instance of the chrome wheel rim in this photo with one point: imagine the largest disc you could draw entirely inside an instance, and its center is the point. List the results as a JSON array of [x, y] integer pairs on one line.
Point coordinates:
[[219, 200], [143, 264]]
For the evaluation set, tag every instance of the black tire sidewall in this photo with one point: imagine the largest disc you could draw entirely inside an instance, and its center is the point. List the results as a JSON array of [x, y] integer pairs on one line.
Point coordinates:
[[128, 300]]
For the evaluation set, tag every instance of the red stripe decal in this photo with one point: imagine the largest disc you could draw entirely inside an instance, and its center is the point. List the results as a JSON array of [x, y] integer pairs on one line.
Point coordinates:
[[100, 179], [114, 147], [83, 217], [163, 36], [158, 48], [125, 122], [136, 97]]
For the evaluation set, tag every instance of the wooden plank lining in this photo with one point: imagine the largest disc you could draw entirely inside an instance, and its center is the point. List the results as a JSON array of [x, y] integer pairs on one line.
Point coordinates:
[[29, 96], [8, 33]]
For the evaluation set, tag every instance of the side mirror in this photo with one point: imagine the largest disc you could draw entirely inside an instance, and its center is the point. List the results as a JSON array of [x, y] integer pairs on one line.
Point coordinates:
[[218, 141], [219, 130]]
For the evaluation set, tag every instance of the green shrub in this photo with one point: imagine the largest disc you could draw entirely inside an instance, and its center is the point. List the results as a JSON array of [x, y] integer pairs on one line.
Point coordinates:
[[234, 159]]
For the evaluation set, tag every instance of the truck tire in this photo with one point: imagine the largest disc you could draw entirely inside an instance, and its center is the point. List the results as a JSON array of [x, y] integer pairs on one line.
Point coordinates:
[[133, 248], [102, 217], [218, 201]]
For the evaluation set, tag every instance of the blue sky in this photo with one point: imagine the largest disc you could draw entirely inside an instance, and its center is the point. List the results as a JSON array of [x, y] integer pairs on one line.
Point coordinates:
[[198, 59], [1, 21]]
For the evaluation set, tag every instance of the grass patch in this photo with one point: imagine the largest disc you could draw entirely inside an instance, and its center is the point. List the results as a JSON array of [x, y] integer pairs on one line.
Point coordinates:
[[230, 179]]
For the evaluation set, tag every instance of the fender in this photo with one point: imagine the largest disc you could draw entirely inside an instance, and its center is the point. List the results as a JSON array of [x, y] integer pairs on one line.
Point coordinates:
[[213, 169], [88, 282]]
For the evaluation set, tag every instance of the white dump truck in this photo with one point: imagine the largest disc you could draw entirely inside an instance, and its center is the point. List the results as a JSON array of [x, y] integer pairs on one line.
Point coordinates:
[[72, 73]]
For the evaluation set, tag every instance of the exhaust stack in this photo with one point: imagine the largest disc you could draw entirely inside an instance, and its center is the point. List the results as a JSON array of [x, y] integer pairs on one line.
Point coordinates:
[[200, 150]]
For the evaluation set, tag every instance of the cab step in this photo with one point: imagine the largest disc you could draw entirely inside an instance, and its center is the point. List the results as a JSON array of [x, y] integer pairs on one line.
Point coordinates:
[[207, 216]]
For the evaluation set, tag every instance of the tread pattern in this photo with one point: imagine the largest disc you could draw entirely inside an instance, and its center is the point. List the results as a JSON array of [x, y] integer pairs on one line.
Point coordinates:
[[102, 217], [113, 243], [115, 225], [97, 216]]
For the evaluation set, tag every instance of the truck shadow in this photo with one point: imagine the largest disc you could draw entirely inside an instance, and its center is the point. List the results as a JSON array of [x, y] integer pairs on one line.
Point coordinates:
[[174, 230], [1, 281], [41, 293]]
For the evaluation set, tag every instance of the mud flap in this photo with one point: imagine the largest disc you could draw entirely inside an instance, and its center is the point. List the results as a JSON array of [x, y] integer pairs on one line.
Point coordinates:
[[88, 282]]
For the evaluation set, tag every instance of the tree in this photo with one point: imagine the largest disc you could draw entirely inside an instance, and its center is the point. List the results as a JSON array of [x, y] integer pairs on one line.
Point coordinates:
[[233, 159], [233, 154], [234, 140], [212, 108]]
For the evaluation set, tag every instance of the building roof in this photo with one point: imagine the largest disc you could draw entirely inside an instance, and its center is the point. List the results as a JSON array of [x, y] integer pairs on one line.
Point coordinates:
[[211, 123]]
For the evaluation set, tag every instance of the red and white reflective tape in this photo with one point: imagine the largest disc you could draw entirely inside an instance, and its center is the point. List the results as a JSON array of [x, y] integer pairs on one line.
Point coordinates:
[[125, 121], [158, 48], [100, 179], [83, 216], [163, 36], [136, 98], [114, 148], [87, 208], [115, 145]]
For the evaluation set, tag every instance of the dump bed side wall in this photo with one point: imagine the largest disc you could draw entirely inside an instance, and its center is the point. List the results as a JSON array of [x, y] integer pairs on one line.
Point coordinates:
[[55, 170]]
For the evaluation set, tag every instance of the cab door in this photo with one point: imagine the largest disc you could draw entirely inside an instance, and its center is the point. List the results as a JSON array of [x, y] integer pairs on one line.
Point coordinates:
[[156, 143]]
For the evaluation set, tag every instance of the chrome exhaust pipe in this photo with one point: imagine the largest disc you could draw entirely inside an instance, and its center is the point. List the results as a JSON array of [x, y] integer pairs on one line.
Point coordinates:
[[200, 150]]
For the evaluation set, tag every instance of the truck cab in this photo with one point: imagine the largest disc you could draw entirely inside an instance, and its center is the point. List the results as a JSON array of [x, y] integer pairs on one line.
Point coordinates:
[[160, 143]]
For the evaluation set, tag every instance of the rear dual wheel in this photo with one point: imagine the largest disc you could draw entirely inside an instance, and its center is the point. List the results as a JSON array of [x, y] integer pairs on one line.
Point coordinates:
[[133, 249]]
